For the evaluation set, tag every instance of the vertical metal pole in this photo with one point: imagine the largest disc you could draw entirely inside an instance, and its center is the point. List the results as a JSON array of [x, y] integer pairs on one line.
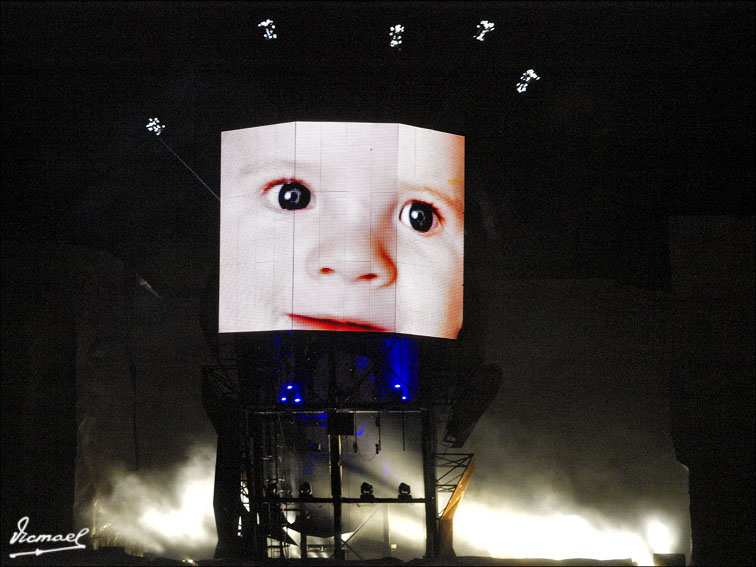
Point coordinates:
[[429, 479], [334, 442], [258, 487], [386, 536], [253, 536], [303, 544], [334, 450]]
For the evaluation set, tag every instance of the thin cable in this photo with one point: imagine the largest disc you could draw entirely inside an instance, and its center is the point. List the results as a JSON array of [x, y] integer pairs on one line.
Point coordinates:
[[189, 168]]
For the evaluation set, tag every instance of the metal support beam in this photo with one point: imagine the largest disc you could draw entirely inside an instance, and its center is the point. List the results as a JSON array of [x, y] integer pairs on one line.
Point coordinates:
[[334, 446], [334, 450], [242, 403], [429, 481]]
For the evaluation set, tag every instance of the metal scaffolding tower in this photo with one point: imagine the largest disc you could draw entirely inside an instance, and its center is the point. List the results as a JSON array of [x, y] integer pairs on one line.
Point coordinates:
[[282, 405]]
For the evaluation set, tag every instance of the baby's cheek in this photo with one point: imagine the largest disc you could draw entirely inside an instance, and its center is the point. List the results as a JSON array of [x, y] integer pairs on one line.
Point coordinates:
[[429, 287], [419, 250], [265, 270]]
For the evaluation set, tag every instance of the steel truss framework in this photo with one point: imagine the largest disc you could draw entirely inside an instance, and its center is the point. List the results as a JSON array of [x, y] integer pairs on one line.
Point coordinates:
[[254, 497]]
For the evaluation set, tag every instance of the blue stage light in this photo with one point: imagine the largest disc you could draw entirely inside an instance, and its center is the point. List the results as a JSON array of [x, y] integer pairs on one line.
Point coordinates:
[[297, 400], [361, 430], [289, 387], [397, 386], [284, 398]]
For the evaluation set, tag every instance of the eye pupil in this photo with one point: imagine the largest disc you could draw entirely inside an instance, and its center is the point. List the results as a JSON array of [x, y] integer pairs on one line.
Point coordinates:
[[421, 216], [293, 196]]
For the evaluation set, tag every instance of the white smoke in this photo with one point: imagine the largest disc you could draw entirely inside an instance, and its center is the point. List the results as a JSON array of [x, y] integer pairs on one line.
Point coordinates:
[[567, 532], [168, 513]]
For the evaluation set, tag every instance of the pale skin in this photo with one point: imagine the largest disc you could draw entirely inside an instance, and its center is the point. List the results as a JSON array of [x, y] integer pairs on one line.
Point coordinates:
[[342, 226]]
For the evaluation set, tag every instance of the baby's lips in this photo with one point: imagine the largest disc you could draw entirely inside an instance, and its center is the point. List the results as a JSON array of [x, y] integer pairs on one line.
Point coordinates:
[[333, 324]]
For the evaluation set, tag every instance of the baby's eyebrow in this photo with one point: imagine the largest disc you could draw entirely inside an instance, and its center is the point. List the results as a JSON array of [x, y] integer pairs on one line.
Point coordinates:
[[268, 167]]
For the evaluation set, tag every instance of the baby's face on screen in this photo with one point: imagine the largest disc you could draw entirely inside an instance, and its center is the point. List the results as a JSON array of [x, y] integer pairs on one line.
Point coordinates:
[[342, 226]]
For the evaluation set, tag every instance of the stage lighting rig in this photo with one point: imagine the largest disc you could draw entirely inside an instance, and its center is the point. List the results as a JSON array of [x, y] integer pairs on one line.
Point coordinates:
[[290, 394], [404, 491], [527, 76], [155, 126], [305, 490], [395, 33], [398, 392], [483, 28], [270, 29], [366, 491]]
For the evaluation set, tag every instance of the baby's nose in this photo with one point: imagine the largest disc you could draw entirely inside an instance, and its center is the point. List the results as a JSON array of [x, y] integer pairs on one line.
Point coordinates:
[[354, 259], [356, 239]]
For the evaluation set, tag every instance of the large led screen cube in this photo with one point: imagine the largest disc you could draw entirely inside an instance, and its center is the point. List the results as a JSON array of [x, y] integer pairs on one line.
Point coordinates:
[[339, 226]]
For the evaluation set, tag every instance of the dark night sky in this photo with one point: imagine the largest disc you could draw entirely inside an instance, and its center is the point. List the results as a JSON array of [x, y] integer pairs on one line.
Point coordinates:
[[644, 111]]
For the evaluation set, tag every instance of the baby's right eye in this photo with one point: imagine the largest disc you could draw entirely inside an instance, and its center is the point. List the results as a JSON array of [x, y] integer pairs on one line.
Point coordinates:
[[292, 195]]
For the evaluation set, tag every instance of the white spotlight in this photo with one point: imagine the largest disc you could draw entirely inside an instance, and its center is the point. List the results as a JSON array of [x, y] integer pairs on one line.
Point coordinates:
[[155, 126], [483, 28], [527, 76], [659, 537], [269, 28], [395, 32]]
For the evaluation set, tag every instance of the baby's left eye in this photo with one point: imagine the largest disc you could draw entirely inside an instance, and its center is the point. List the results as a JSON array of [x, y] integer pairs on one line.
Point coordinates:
[[419, 215]]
